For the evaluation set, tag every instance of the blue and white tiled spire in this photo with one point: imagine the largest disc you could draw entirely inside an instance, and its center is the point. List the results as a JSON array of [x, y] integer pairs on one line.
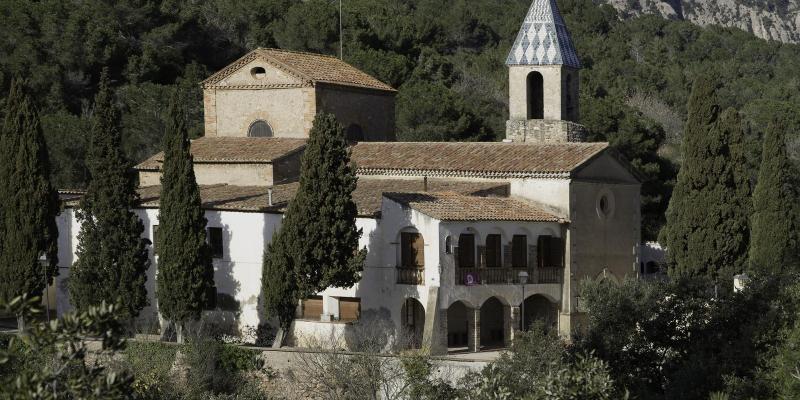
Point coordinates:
[[544, 39]]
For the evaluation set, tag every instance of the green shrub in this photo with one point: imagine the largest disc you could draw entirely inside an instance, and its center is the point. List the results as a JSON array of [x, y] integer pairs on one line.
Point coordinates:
[[151, 363]]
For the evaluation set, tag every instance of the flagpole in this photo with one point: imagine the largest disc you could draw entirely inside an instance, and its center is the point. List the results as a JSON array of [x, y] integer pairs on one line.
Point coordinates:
[[341, 34]]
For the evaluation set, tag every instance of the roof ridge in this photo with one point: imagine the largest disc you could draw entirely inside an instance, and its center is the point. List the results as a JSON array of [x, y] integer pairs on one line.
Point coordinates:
[[297, 52]]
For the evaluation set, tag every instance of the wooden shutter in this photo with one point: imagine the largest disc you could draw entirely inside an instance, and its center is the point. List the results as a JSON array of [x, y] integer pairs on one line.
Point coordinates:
[[556, 252], [519, 249], [312, 308], [493, 248], [507, 255], [543, 246], [481, 256], [349, 309], [412, 250], [466, 245]]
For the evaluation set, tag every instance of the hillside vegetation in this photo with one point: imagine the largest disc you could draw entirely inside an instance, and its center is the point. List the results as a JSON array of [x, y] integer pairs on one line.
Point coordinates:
[[446, 57]]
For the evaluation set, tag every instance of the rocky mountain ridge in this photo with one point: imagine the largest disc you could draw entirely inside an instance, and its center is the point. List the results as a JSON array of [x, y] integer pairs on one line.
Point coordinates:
[[768, 19]]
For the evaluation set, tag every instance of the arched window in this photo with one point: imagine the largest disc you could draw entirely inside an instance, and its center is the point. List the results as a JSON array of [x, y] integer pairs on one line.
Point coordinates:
[[494, 251], [466, 250], [535, 95], [259, 128], [354, 133], [412, 250]]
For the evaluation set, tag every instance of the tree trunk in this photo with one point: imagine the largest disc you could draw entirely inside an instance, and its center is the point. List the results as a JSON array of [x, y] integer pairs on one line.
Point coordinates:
[[21, 324], [179, 332]]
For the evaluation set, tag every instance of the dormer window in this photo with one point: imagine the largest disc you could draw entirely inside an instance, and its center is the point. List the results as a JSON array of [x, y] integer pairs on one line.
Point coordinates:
[[258, 72], [259, 128]]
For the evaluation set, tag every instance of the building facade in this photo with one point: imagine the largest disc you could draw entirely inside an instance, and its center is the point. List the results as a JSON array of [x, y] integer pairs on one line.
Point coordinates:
[[467, 243]]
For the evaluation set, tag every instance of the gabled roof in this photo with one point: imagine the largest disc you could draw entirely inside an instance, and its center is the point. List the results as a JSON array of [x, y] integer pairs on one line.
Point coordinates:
[[367, 196], [473, 159], [450, 206], [310, 68], [234, 150], [544, 38]]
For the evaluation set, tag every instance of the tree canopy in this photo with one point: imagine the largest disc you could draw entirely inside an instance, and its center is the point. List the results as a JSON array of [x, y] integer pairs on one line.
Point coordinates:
[[112, 256]]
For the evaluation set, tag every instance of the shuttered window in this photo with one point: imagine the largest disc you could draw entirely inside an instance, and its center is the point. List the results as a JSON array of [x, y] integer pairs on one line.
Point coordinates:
[[466, 251], [519, 251], [312, 308], [349, 309], [551, 252], [412, 250], [493, 251]]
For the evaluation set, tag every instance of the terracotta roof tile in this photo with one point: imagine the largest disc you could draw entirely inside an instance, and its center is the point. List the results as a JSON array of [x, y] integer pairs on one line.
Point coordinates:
[[234, 149], [368, 195], [309, 67], [458, 158], [450, 206]]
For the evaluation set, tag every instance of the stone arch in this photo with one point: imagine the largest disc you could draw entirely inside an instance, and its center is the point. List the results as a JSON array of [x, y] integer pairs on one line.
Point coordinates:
[[539, 307], [259, 128], [458, 329], [535, 95], [607, 276], [412, 321], [493, 322]]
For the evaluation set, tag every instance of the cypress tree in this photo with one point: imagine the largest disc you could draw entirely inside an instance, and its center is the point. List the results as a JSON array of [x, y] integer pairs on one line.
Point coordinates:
[[30, 205], [185, 270], [112, 259], [707, 220], [317, 245], [775, 224]]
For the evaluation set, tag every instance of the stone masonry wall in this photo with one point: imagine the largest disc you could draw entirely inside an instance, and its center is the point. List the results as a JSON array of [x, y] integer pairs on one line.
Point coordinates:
[[544, 131]]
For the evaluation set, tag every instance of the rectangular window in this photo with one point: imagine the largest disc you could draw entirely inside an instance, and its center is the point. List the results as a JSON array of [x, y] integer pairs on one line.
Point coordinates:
[[519, 251], [215, 242], [493, 251], [349, 308], [466, 251], [551, 252], [312, 308], [412, 250], [155, 239]]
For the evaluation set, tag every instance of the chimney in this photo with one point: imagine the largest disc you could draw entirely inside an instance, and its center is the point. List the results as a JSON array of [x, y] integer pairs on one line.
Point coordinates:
[[269, 196], [424, 183]]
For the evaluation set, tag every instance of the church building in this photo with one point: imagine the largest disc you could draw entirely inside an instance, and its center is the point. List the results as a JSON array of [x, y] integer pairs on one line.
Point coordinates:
[[468, 243]]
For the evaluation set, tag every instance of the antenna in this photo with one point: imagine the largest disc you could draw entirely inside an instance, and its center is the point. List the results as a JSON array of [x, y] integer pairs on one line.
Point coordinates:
[[341, 33]]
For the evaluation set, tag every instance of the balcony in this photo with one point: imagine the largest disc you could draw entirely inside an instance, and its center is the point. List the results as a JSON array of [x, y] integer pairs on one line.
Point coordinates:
[[507, 276], [410, 275]]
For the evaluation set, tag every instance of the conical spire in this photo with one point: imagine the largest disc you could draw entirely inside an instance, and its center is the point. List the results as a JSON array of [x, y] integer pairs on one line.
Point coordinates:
[[543, 38]]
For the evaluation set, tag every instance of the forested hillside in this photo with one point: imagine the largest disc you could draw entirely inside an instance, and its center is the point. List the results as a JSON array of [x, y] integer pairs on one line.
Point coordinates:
[[446, 57]]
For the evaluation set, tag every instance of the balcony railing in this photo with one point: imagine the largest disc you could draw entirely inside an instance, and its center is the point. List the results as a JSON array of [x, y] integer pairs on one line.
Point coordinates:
[[410, 276], [506, 276]]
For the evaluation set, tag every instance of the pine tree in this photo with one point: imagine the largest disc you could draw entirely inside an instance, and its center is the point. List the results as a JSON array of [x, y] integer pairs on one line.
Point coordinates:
[[707, 220], [112, 258], [185, 269], [317, 245], [775, 224], [30, 205]]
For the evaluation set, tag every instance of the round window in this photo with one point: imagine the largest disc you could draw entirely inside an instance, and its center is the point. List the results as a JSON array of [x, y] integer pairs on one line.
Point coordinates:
[[258, 72], [259, 129], [605, 204]]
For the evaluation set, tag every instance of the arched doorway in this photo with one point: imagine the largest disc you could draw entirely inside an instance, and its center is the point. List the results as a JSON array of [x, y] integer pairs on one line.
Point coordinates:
[[457, 325], [492, 332], [413, 322], [535, 87], [539, 308]]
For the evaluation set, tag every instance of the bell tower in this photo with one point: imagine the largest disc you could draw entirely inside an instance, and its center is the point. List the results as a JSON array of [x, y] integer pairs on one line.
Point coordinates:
[[543, 82]]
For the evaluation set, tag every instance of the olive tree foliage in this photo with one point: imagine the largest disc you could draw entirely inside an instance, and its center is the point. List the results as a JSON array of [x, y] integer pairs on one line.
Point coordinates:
[[62, 369]]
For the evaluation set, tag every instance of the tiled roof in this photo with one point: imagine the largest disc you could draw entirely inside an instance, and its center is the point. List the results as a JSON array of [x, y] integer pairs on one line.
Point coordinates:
[[473, 159], [309, 67], [368, 194], [234, 150], [450, 206], [544, 38]]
